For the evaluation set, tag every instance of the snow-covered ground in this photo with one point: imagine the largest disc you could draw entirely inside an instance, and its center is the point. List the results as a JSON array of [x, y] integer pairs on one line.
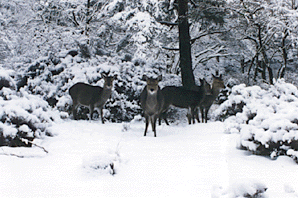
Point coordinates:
[[183, 161]]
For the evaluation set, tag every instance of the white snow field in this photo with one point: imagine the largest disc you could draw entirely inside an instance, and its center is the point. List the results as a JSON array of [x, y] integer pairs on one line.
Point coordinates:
[[183, 161]]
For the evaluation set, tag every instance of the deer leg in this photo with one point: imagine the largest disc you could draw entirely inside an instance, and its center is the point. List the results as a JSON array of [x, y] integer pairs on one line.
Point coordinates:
[[160, 118], [189, 112], [164, 117], [197, 114], [146, 125], [206, 114], [74, 112], [153, 123], [151, 118], [166, 121], [202, 113], [91, 110], [101, 115], [189, 118], [193, 114]]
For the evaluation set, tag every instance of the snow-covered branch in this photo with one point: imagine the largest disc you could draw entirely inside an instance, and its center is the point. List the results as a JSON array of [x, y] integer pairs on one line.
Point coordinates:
[[206, 34], [215, 51]]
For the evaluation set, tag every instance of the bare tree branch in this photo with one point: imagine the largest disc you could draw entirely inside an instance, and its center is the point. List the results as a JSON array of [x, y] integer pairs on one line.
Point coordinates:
[[169, 48], [212, 52], [250, 38], [194, 4], [14, 155], [206, 34], [28, 141], [209, 49], [168, 23], [74, 19], [205, 59]]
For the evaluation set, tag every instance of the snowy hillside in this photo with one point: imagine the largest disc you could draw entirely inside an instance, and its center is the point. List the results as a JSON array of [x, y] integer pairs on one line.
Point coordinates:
[[186, 161]]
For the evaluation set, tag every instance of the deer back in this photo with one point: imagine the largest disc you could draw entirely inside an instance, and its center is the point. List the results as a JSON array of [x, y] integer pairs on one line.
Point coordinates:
[[85, 94], [181, 97]]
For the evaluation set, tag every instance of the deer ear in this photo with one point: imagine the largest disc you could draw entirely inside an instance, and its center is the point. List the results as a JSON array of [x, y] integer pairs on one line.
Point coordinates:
[[144, 78], [104, 75], [202, 81], [159, 78], [216, 73]]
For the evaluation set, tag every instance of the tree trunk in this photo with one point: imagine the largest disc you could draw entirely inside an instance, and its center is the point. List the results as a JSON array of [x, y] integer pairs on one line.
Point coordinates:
[[87, 21], [187, 76], [265, 58], [284, 54]]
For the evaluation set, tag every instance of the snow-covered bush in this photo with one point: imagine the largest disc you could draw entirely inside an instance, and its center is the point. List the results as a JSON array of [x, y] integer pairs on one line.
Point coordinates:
[[23, 117], [124, 104], [102, 164], [247, 188], [5, 79], [267, 119]]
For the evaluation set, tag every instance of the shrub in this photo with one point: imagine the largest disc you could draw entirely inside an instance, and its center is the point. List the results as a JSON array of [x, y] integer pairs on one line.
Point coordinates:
[[23, 117], [102, 164], [265, 118], [6, 79]]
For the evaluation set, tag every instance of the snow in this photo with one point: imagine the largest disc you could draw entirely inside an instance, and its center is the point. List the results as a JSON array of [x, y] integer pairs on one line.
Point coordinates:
[[183, 161]]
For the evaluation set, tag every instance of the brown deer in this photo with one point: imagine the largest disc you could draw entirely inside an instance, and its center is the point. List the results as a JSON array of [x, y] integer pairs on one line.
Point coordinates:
[[183, 98], [151, 102], [194, 113], [208, 100], [91, 96]]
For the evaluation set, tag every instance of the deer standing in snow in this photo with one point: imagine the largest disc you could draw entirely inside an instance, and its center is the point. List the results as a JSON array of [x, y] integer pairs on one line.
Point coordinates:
[[151, 102], [208, 100], [183, 98], [91, 96]]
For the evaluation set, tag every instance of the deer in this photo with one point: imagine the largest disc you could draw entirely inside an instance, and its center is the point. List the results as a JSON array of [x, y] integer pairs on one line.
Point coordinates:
[[217, 86], [93, 97], [183, 98], [152, 102]]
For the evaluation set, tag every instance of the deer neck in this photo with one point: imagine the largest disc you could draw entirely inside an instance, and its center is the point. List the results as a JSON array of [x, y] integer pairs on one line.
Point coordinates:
[[215, 91], [151, 103], [106, 92], [151, 98]]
